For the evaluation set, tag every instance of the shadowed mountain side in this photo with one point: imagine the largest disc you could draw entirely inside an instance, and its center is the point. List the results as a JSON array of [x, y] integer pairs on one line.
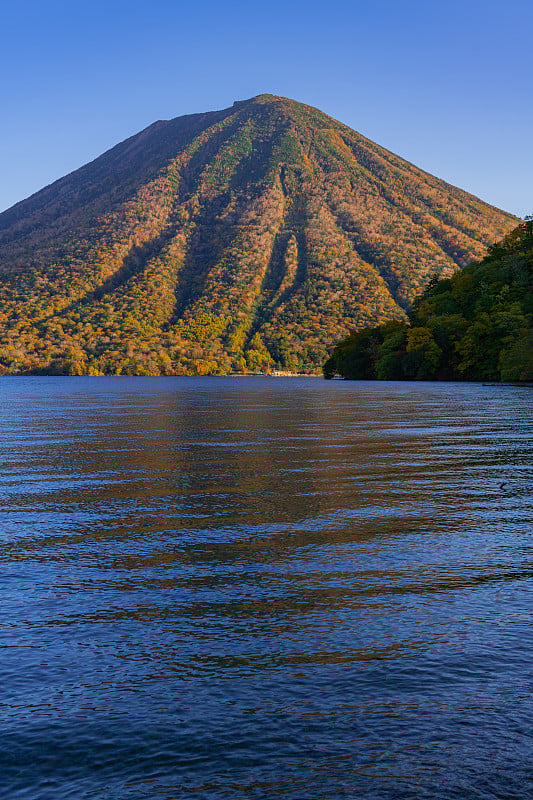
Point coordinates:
[[242, 239]]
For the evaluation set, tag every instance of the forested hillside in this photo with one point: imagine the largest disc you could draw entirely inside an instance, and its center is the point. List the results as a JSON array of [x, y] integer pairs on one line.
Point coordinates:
[[476, 325], [236, 240]]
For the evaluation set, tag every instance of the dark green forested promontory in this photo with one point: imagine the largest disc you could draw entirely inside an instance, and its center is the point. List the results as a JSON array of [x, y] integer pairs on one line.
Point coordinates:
[[476, 325], [235, 240]]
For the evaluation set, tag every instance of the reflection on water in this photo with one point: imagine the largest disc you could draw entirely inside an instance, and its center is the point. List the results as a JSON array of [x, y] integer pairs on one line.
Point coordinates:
[[265, 588]]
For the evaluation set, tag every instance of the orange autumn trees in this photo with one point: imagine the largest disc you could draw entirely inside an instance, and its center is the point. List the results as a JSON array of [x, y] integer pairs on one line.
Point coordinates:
[[239, 240]]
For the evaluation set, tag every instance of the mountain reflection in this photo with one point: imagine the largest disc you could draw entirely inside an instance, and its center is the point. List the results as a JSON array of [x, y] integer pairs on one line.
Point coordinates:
[[195, 568]]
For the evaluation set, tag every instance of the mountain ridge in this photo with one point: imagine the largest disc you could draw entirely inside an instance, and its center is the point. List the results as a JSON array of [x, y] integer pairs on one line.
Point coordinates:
[[239, 239]]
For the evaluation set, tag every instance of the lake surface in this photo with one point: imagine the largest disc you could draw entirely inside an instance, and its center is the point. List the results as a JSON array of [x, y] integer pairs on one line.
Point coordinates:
[[265, 588]]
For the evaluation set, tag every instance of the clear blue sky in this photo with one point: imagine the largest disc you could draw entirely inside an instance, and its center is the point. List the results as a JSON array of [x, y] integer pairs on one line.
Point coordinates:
[[445, 85]]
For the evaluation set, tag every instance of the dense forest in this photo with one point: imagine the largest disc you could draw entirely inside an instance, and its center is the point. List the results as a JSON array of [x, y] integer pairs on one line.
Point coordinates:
[[476, 325], [238, 240]]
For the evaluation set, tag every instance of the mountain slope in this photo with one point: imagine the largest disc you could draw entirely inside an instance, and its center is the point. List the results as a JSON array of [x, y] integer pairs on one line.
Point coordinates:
[[238, 239]]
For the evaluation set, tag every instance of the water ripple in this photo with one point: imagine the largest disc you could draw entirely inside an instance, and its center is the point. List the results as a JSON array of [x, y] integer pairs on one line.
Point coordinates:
[[256, 589]]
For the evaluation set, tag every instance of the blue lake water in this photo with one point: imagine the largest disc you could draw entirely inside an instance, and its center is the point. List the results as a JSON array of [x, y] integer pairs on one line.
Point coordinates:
[[255, 588]]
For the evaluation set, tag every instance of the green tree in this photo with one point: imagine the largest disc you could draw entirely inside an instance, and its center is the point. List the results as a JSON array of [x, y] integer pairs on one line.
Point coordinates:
[[422, 354]]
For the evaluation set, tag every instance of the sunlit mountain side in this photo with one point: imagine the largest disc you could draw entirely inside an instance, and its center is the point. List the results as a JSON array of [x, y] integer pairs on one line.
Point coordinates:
[[247, 239]]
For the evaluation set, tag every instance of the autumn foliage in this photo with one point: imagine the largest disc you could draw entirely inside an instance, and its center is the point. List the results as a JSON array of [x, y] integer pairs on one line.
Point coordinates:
[[238, 240]]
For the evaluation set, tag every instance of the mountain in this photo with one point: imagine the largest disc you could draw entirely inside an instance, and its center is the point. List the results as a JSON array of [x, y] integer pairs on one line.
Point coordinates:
[[476, 325], [239, 239]]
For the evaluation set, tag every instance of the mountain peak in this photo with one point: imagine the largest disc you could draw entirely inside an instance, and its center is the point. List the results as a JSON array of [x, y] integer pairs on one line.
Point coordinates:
[[228, 240], [259, 98]]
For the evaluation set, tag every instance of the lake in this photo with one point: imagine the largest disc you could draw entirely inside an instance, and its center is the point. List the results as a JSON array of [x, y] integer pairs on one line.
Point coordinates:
[[258, 588]]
